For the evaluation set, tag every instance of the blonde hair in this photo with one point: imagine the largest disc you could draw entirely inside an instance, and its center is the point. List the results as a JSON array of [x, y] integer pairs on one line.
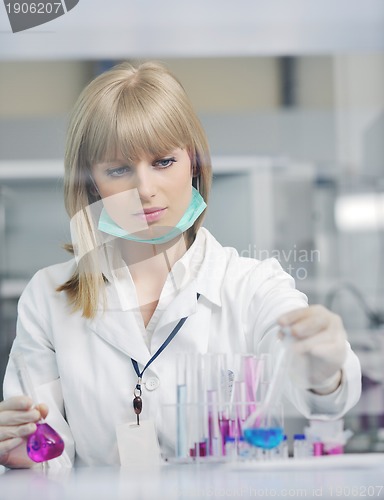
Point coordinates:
[[132, 111]]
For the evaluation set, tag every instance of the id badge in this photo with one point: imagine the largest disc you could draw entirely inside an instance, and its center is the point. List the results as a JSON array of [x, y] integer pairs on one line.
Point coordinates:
[[138, 444]]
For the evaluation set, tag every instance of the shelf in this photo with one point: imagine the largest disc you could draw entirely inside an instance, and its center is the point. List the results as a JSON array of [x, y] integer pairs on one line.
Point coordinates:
[[240, 164], [54, 169], [20, 170], [12, 288], [31, 170]]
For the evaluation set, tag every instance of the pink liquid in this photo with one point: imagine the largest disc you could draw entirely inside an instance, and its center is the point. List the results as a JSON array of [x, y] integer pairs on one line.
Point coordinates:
[[44, 444]]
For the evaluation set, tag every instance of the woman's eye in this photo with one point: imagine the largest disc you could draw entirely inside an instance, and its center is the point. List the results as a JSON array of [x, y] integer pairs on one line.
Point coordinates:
[[165, 162], [117, 172]]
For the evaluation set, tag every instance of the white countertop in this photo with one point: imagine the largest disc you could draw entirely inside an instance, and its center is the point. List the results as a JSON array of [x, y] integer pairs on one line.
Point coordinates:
[[343, 476]]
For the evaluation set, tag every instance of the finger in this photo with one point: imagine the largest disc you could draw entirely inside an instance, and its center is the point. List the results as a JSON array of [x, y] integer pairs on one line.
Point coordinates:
[[292, 317], [320, 345], [9, 444], [43, 409], [19, 417], [309, 326], [13, 431], [308, 321], [296, 315], [16, 403]]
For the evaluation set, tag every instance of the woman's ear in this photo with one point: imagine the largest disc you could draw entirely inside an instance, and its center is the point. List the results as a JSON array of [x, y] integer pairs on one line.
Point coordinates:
[[94, 191], [196, 175], [195, 168], [92, 188]]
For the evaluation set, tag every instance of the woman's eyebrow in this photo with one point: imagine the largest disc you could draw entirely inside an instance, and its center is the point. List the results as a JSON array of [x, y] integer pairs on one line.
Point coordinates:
[[121, 161], [109, 163]]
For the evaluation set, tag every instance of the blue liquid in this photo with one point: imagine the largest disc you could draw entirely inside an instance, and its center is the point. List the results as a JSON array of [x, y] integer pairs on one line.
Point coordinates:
[[266, 438]]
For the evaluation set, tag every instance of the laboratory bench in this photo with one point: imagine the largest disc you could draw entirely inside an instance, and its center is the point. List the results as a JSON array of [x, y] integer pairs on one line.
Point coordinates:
[[342, 476]]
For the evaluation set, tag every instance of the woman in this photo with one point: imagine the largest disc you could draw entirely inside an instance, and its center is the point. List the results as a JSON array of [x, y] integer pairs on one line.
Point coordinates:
[[137, 179]]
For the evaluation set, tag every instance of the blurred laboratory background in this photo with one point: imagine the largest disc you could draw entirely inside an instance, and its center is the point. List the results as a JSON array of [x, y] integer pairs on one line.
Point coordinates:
[[291, 95]]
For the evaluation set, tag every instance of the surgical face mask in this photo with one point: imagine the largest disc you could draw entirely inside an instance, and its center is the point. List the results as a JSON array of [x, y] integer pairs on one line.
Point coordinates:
[[194, 210]]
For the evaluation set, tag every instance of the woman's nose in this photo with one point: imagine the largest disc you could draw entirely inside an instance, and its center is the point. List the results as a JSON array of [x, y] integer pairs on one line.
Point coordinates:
[[145, 183]]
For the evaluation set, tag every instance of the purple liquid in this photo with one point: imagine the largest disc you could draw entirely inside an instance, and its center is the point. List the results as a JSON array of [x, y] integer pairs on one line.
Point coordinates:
[[266, 438], [44, 444]]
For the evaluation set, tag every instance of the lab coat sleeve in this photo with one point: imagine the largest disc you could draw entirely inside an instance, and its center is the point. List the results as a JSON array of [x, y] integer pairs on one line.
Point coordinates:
[[34, 342], [275, 294]]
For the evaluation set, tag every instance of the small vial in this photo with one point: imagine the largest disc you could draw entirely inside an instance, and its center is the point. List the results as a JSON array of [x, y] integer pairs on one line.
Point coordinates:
[[230, 448], [263, 455], [300, 448], [281, 451], [378, 447], [245, 450], [284, 447], [318, 449], [335, 449]]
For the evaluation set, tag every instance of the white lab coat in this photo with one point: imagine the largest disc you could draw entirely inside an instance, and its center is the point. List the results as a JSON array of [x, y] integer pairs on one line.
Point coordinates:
[[82, 368]]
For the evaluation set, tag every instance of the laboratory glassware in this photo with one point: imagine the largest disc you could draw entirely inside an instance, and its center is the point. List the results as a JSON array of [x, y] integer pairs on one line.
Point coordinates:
[[45, 443], [264, 427]]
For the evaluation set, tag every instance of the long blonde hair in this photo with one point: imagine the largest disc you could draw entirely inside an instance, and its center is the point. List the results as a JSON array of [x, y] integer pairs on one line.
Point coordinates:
[[133, 111]]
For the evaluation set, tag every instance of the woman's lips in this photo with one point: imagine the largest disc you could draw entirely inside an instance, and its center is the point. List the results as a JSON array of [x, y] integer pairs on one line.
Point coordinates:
[[152, 214]]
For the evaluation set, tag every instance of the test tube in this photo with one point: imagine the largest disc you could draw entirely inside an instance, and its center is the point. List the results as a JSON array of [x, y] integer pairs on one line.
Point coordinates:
[[266, 363], [200, 396], [252, 368], [216, 390], [227, 381], [182, 448]]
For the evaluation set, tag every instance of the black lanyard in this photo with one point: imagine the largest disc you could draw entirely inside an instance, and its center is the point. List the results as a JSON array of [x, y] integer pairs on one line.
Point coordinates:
[[137, 401]]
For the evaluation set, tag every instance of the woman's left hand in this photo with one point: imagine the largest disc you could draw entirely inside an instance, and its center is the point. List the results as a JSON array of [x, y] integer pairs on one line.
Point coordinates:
[[321, 338]]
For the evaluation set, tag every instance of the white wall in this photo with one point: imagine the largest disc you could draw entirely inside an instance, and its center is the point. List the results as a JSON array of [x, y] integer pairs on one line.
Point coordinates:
[[359, 99], [218, 28], [40, 88]]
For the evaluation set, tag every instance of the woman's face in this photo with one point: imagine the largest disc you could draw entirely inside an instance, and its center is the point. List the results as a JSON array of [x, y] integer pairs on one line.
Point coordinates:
[[151, 195]]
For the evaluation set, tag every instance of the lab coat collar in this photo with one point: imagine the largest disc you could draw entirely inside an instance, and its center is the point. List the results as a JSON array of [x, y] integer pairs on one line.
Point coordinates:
[[112, 324], [193, 332], [211, 273], [183, 305], [201, 270], [203, 263], [118, 328]]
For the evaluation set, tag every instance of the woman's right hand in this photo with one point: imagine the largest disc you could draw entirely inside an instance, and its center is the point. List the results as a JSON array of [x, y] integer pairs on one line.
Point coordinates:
[[18, 420]]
